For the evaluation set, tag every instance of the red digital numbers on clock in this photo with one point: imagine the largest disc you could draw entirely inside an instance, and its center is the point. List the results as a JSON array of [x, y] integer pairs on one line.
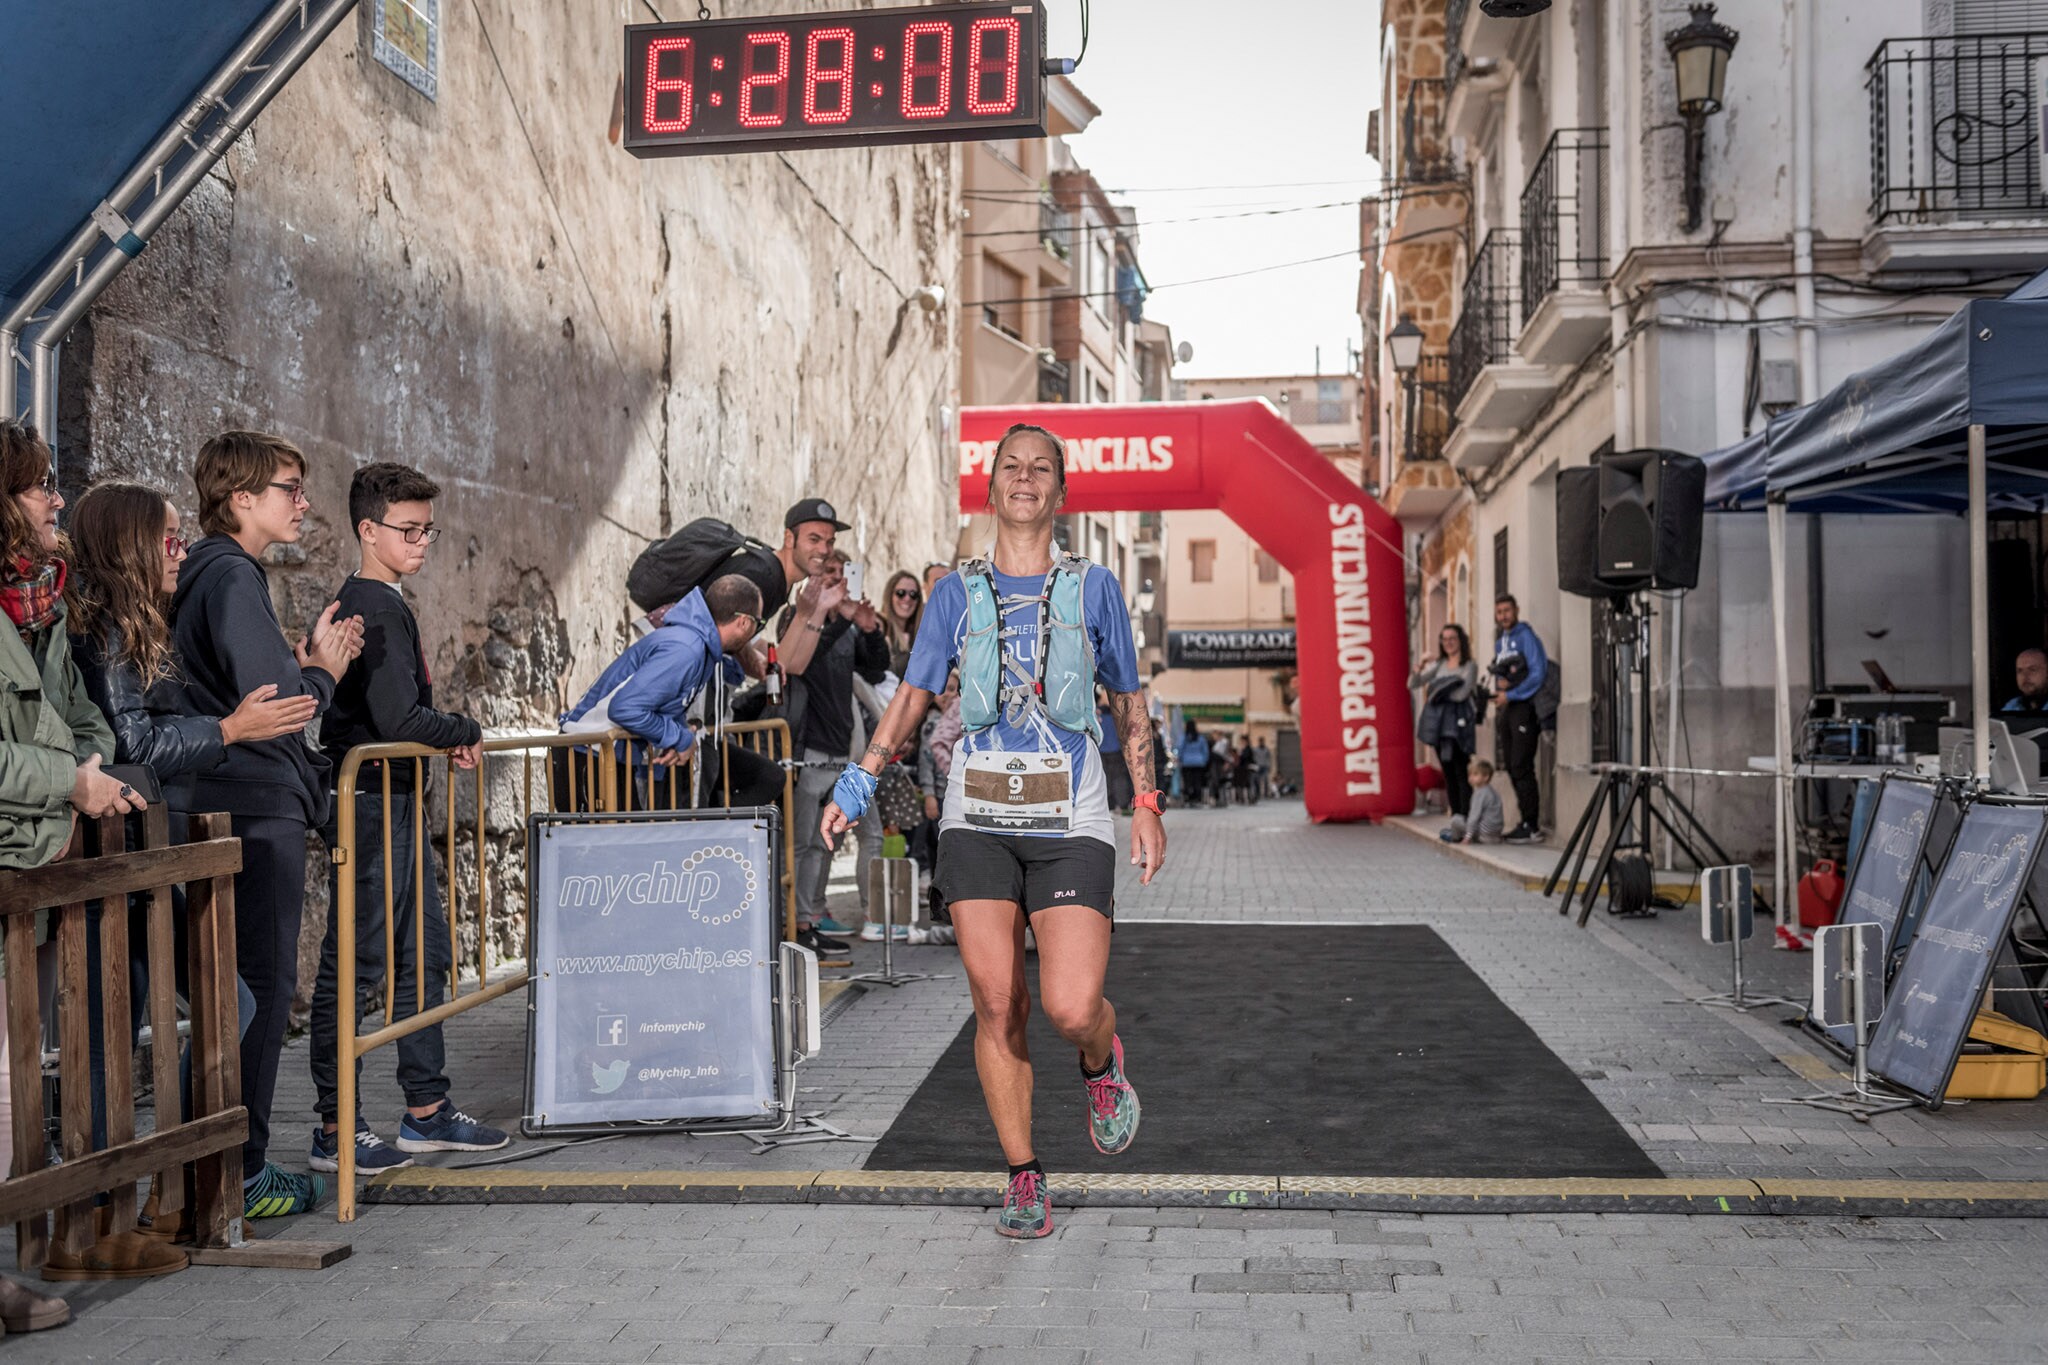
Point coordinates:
[[770, 75], [928, 56], [924, 73], [836, 77], [677, 86], [1008, 36]]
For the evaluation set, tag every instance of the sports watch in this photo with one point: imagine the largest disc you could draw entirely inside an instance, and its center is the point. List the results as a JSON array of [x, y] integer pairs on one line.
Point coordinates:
[[1148, 801]]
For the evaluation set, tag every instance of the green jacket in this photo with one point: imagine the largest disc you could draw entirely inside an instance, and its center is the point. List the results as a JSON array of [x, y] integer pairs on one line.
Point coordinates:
[[48, 726]]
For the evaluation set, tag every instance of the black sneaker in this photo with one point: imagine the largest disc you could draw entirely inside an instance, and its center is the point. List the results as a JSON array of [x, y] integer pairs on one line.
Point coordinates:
[[1524, 834], [809, 937]]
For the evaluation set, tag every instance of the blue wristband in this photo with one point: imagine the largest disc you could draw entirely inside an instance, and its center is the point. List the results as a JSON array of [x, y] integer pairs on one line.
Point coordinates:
[[853, 791]]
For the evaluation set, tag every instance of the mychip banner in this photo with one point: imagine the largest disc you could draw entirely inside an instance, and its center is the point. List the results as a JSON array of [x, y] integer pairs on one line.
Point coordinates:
[[653, 966]]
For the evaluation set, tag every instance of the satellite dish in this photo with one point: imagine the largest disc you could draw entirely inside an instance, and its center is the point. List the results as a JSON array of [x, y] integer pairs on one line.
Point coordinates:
[[1184, 352]]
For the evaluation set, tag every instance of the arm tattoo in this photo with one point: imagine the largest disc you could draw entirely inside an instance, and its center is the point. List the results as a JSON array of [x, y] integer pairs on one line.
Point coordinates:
[[1134, 729], [881, 752]]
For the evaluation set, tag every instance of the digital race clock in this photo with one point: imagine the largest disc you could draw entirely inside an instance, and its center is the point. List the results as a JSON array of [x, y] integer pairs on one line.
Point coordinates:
[[930, 73]]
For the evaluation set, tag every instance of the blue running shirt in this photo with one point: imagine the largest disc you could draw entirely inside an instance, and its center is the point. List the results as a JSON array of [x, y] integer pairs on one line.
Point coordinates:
[[937, 652]]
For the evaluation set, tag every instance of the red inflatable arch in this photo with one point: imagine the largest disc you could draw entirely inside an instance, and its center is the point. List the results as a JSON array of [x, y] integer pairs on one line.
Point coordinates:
[[1243, 459]]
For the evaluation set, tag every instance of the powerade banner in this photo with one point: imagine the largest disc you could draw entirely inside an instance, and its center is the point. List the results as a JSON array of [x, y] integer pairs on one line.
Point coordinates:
[[1344, 550], [653, 971], [1935, 993], [1229, 648]]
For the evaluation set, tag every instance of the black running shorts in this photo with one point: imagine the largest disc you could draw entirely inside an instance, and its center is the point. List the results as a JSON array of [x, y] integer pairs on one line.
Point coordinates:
[[1036, 872]]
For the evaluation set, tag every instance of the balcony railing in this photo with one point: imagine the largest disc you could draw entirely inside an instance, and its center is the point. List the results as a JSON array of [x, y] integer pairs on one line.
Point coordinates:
[[1454, 48], [1055, 228], [1953, 128], [1564, 218], [1426, 409], [1489, 313], [1425, 144], [1053, 387]]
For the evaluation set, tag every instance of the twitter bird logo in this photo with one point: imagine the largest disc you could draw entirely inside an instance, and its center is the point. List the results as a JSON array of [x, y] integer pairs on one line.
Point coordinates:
[[605, 1079]]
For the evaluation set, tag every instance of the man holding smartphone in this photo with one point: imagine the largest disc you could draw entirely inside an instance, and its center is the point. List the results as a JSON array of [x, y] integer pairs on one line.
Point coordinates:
[[848, 640]]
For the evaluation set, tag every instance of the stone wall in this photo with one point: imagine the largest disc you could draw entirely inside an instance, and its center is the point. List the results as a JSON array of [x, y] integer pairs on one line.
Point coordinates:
[[585, 349]]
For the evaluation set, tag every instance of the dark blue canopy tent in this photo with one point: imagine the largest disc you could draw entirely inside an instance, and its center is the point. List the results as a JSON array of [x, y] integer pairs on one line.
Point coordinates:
[[1955, 424], [115, 111]]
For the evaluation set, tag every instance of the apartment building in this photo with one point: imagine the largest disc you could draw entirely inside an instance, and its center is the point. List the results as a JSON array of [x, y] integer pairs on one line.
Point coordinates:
[[1053, 311], [1592, 268]]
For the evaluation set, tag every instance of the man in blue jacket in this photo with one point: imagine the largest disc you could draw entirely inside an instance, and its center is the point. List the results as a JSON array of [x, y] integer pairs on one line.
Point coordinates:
[[648, 689], [1519, 669]]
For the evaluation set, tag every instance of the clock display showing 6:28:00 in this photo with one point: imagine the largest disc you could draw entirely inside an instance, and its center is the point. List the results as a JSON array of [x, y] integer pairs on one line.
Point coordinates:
[[927, 73]]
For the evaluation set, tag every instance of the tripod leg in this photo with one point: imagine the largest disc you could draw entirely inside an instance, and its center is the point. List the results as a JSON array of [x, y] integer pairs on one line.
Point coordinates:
[[1586, 818], [1584, 838], [1598, 875], [1720, 855]]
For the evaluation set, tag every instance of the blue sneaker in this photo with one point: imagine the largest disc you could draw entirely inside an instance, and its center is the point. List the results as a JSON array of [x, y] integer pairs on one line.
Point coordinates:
[[373, 1154], [828, 925], [275, 1192], [1027, 1207], [448, 1129], [1112, 1104]]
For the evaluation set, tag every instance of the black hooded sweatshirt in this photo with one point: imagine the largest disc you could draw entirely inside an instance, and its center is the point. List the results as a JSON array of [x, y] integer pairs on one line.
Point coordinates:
[[229, 644]]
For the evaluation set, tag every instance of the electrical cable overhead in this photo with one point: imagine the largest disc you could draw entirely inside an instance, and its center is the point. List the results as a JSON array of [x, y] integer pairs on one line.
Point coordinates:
[[1350, 254], [1171, 222]]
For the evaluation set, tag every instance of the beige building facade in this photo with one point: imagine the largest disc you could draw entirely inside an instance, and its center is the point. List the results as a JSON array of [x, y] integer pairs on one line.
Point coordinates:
[[1533, 226]]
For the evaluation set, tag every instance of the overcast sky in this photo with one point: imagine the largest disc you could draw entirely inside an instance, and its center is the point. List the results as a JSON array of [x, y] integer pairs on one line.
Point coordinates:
[[1201, 99]]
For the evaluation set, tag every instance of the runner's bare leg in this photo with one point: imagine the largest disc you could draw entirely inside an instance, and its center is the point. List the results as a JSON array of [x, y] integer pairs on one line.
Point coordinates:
[[990, 935], [1073, 956]]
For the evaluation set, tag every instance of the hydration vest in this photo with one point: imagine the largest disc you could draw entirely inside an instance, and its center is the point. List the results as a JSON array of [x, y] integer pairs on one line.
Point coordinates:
[[1063, 690]]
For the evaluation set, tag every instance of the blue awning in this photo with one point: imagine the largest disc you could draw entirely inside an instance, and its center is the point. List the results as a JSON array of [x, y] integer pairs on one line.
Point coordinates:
[[1894, 437], [88, 88]]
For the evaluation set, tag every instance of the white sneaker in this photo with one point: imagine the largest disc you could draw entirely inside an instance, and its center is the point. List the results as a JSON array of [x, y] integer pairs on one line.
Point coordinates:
[[872, 931], [941, 933]]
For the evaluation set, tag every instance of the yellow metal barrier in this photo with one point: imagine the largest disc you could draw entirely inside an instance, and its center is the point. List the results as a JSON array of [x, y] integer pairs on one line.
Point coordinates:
[[770, 739], [579, 772]]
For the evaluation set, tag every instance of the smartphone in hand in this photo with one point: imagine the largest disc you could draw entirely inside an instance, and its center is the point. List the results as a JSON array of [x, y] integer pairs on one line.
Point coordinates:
[[853, 582]]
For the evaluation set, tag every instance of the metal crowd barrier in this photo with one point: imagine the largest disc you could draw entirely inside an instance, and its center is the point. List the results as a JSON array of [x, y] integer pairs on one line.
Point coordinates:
[[771, 739], [206, 1145], [578, 772]]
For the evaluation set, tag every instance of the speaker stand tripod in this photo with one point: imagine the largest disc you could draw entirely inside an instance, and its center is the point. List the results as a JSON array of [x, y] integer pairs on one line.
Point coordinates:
[[1632, 796]]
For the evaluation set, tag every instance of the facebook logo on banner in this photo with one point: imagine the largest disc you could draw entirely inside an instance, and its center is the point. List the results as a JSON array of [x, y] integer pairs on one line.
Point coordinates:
[[611, 1030]]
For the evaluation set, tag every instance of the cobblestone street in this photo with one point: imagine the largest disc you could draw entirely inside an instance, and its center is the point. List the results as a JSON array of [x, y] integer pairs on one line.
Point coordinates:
[[743, 1282]]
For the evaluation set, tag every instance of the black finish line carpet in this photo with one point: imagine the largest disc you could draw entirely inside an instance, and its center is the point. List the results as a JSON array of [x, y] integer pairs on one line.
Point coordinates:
[[1365, 1050]]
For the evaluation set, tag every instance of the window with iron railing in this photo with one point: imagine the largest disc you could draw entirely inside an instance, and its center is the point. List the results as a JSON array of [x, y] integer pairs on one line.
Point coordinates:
[[1055, 228], [1053, 378], [1425, 144], [1955, 127], [1425, 409], [1564, 217], [1489, 313]]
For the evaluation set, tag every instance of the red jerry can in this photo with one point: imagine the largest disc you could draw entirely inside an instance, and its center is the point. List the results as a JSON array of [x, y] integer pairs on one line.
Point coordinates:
[[1820, 896]]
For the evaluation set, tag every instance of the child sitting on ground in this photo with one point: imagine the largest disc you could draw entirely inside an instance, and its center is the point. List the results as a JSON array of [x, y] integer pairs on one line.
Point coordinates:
[[1483, 821]]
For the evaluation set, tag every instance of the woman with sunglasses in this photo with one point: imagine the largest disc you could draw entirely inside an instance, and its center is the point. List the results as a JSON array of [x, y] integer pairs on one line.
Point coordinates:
[[129, 545], [902, 609]]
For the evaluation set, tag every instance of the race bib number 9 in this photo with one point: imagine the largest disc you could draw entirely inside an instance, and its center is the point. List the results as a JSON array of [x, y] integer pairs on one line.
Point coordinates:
[[1011, 792]]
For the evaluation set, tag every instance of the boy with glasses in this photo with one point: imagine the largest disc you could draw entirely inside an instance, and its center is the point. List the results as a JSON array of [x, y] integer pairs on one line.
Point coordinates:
[[387, 697], [228, 643]]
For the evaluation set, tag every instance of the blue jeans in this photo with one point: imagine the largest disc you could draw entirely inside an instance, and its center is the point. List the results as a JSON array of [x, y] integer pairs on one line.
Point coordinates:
[[422, 1057]]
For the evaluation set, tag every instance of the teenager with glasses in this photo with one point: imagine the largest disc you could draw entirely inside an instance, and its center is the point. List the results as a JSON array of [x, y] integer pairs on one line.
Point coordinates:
[[386, 696], [252, 495]]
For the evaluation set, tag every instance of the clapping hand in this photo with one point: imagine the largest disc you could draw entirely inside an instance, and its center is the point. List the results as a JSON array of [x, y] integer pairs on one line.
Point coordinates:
[[333, 645]]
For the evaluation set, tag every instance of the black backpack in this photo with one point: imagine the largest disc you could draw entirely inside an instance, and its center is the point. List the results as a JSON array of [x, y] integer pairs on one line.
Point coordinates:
[[667, 570]]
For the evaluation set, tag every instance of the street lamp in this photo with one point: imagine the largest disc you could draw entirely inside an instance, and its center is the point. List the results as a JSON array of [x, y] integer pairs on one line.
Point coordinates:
[[1404, 342], [1699, 58]]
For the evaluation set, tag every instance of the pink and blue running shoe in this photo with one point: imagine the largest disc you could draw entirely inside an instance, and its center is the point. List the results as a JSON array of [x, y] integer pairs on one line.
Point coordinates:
[[1027, 1207], [1112, 1104]]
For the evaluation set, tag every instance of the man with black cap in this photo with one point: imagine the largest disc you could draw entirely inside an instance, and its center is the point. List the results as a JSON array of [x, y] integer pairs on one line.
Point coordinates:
[[827, 640], [808, 532]]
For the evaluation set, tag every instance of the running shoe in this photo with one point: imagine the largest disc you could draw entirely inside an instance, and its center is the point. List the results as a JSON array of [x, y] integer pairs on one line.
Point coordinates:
[[1112, 1104], [1027, 1207], [447, 1129], [373, 1154], [871, 932], [278, 1193], [828, 925]]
